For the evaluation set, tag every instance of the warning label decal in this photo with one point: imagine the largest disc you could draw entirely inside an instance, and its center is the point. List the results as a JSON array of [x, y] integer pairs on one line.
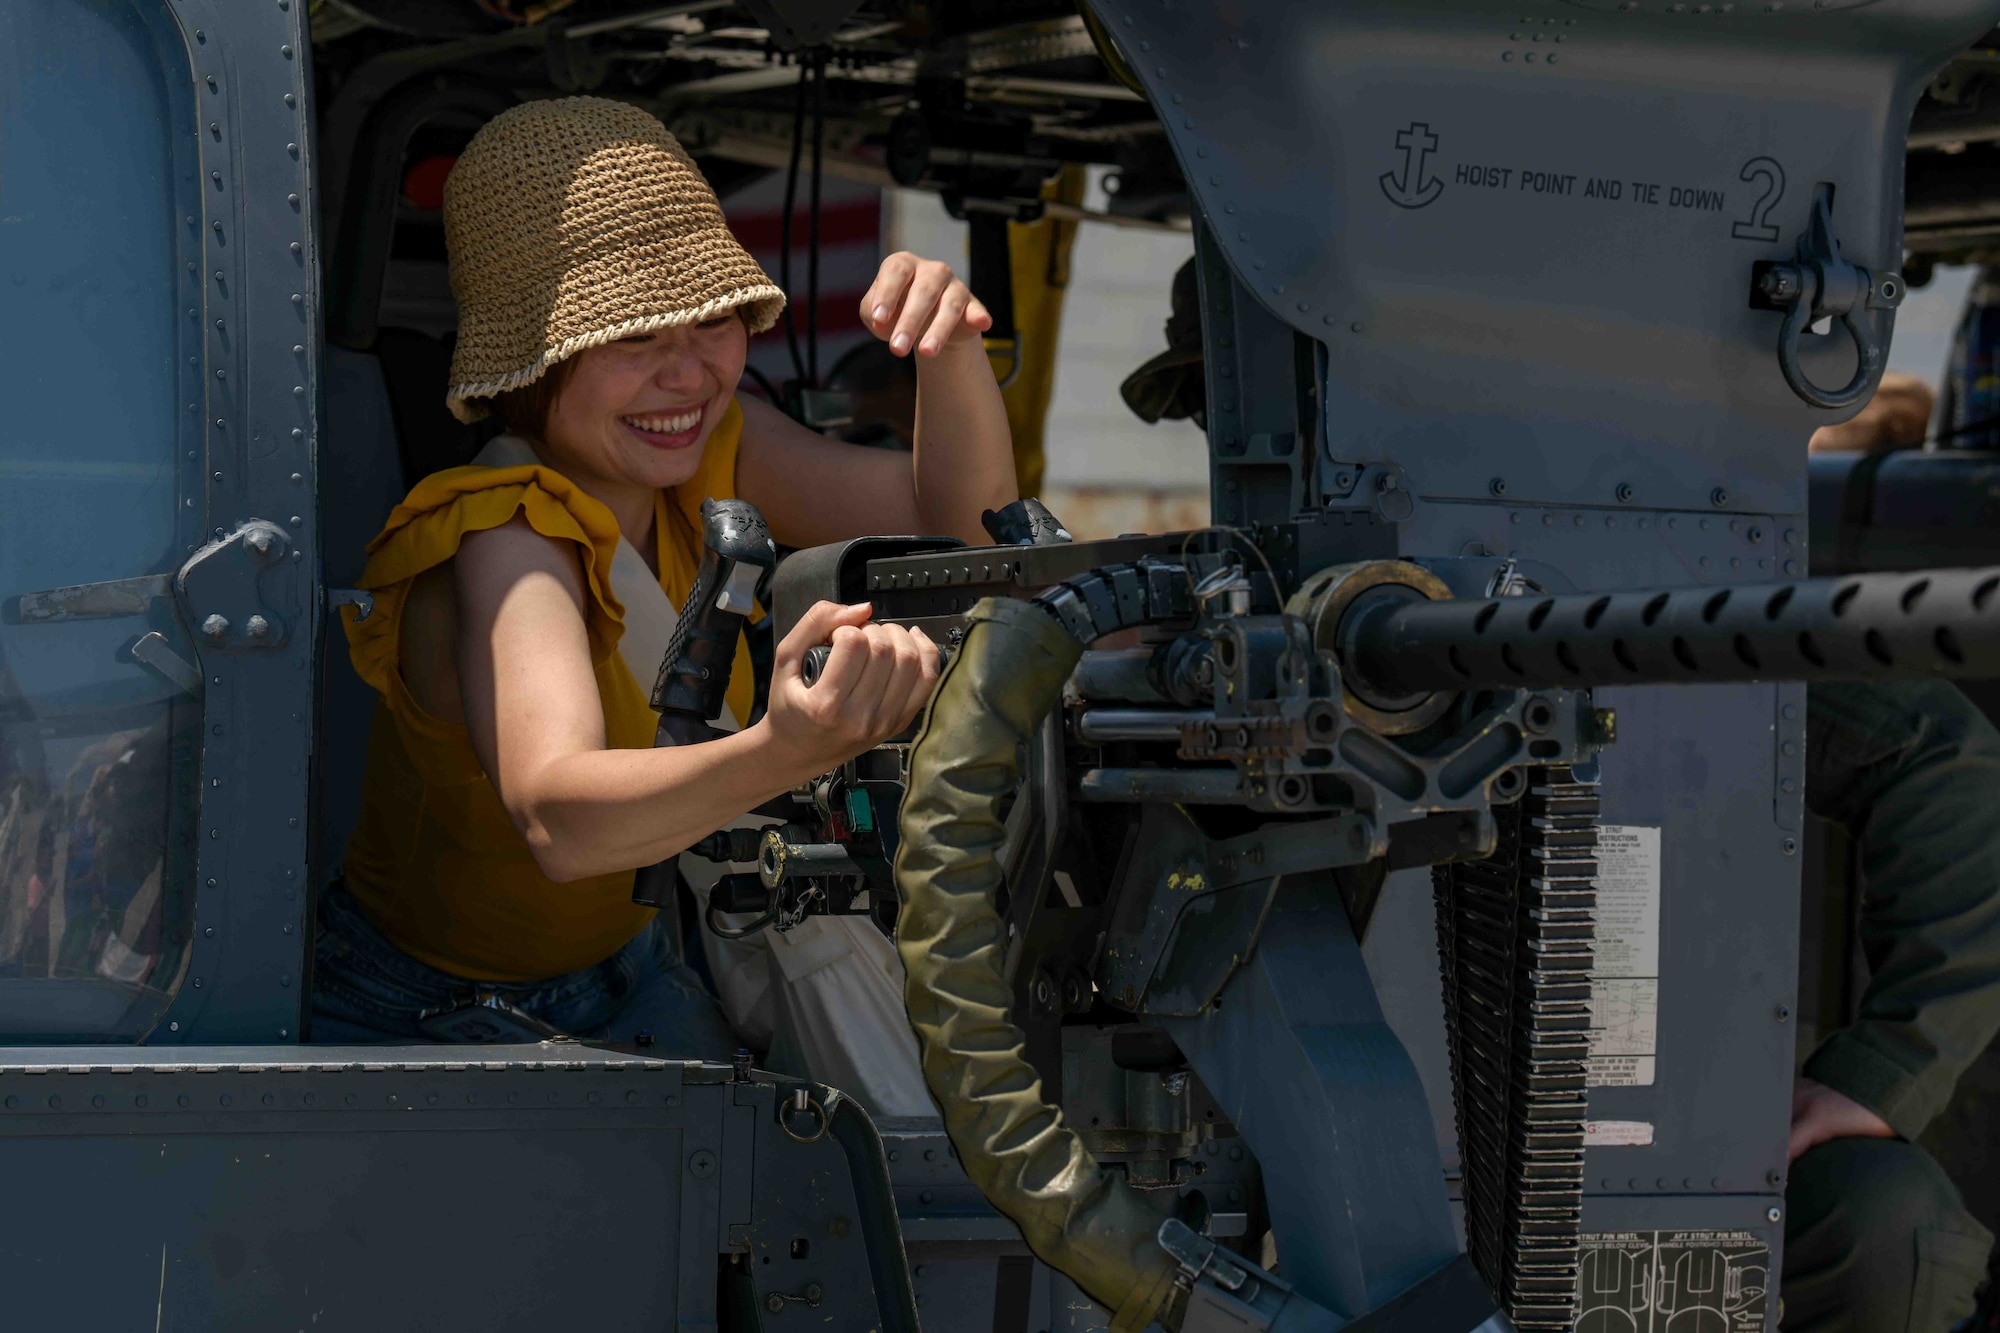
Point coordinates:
[[1625, 981], [1673, 1282], [1617, 1133]]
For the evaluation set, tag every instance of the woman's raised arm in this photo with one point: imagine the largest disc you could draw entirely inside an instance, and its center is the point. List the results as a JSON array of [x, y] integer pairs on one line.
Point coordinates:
[[814, 490]]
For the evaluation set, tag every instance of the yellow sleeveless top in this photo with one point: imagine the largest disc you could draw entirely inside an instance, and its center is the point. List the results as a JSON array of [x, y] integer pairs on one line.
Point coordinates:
[[434, 861]]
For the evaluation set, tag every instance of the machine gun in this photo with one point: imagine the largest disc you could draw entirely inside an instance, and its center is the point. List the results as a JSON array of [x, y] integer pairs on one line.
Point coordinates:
[[1371, 689], [1370, 716]]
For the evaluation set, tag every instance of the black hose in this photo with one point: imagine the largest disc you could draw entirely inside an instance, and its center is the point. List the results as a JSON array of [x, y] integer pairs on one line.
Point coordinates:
[[785, 224], [713, 920], [764, 383], [812, 220]]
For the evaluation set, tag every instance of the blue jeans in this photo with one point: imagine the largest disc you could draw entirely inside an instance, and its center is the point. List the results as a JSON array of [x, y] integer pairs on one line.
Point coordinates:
[[366, 990]]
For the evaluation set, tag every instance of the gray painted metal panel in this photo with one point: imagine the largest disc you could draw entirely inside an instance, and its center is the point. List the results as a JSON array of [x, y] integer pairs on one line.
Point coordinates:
[[419, 1188], [1524, 234], [359, 479], [1300, 1057], [1702, 763]]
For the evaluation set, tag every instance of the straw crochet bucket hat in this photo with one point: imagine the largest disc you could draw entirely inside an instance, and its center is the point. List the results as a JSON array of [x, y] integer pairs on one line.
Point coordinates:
[[576, 222]]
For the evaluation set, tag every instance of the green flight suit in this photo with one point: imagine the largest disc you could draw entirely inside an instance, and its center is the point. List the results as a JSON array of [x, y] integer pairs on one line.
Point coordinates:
[[1877, 1239]]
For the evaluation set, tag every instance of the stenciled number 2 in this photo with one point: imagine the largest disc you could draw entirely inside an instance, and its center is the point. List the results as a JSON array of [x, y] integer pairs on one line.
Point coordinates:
[[1758, 226]]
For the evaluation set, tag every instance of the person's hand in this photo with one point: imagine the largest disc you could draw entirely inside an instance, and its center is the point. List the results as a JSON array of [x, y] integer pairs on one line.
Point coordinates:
[[917, 304], [1819, 1114], [875, 681]]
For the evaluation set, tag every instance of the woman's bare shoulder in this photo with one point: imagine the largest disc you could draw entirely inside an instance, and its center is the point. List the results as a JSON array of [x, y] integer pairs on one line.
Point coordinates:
[[492, 560], [489, 563]]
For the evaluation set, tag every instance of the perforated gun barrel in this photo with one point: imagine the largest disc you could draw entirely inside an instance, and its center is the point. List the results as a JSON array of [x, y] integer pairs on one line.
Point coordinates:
[[1943, 622]]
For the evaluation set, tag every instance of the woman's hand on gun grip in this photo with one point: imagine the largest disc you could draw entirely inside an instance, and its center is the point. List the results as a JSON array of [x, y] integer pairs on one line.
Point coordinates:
[[876, 679]]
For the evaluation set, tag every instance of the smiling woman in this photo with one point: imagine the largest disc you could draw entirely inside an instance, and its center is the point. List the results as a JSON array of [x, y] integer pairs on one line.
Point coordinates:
[[512, 786], [643, 405]]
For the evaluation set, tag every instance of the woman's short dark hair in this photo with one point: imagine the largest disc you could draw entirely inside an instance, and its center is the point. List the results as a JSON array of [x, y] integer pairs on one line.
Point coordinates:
[[526, 410]]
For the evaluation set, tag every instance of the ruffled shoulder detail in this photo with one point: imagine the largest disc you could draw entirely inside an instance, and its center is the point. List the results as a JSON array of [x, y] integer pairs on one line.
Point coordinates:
[[426, 530]]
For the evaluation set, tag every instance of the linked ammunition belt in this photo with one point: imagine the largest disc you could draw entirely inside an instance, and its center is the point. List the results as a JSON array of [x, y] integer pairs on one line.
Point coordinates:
[[1514, 938]]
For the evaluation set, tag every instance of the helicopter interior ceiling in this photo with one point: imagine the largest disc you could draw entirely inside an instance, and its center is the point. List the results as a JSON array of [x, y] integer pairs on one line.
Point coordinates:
[[977, 101]]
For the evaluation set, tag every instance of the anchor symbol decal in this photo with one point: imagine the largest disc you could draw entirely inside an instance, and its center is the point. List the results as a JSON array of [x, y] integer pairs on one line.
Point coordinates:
[[1408, 188]]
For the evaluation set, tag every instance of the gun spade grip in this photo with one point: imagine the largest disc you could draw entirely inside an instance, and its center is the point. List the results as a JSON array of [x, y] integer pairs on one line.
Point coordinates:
[[694, 676], [737, 552]]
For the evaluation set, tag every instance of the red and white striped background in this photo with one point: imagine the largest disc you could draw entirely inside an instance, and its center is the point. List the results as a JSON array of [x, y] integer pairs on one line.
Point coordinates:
[[850, 232]]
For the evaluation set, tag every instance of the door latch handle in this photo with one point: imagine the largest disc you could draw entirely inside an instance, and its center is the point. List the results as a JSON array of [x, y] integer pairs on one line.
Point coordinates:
[[152, 650], [362, 602], [1818, 284], [88, 601]]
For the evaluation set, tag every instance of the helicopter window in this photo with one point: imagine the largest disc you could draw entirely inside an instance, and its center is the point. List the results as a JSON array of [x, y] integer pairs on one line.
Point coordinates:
[[100, 356]]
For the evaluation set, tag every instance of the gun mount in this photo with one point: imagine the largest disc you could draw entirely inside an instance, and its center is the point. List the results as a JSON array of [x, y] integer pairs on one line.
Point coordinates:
[[1359, 719]]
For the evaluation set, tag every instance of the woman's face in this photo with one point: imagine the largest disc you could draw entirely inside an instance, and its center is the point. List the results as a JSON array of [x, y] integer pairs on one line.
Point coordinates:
[[639, 411]]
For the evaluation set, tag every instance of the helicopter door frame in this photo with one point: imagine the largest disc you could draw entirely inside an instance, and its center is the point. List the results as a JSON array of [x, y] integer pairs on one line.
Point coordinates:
[[252, 592]]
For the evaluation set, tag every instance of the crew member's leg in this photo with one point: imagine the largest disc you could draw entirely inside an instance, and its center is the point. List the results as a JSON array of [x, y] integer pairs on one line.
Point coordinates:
[[1877, 1240]]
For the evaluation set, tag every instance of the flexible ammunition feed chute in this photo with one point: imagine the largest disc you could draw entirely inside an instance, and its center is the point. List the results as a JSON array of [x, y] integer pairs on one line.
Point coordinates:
[[952, 938]]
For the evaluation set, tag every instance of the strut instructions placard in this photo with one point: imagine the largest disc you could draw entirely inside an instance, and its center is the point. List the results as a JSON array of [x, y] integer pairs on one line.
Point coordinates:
[[1666, 1281], [1625, 980]]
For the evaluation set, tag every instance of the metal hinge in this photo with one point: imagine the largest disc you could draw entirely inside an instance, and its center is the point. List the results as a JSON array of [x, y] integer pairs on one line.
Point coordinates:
[[223, 587]]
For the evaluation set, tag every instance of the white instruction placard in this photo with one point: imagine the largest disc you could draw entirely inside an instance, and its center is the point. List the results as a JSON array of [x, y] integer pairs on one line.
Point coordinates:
[[1625, 981], [1674, 1282]]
